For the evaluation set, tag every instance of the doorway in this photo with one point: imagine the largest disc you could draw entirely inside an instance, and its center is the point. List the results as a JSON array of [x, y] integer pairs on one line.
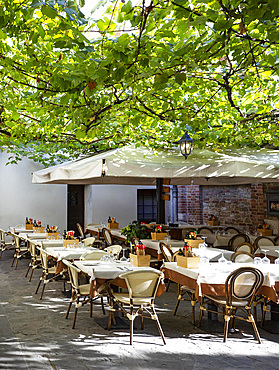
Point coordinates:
[[75, 209]]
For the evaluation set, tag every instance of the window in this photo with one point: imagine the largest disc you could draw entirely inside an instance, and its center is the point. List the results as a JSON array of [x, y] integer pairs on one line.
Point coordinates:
[[146, 205]]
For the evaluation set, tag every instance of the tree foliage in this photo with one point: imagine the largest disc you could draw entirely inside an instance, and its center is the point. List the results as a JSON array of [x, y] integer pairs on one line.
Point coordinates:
[[142, 74]]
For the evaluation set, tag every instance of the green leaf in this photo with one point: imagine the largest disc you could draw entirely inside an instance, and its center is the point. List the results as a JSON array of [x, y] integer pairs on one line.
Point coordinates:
[[49, 12]]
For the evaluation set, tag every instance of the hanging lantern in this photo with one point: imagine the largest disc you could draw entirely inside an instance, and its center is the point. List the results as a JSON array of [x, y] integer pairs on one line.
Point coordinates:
[[186, 145]]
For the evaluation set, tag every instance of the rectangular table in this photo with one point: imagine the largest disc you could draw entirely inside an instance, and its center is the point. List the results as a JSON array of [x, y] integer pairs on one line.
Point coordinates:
[[67, 254], [97, 231], [101, 271], [153, 248], [211, 279]]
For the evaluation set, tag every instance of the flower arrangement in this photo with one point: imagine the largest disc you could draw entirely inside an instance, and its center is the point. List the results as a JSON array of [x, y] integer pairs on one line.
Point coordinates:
[[263, 226], [140, 248], [212, 218]]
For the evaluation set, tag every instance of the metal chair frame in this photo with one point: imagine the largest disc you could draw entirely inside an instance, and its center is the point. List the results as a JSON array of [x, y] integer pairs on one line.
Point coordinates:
[[232, 300], [144, 310]]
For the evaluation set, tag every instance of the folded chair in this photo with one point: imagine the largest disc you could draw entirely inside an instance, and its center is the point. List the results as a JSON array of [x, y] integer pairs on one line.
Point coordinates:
[[139, 301], [79, 292], [241, 287]]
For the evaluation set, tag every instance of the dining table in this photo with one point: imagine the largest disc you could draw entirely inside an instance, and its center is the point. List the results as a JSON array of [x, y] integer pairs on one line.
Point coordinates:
[[68, 253], [100, 272], [210, 278], [96, 230], [213, 254]]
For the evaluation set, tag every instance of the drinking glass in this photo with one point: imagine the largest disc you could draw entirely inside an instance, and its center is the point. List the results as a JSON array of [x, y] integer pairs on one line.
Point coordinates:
[[222, 260], [257, 261], [167, 237], [277, 259], [265, 260]]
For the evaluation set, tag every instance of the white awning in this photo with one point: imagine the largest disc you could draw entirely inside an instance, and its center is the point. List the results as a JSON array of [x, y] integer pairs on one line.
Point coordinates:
[[140, 166]]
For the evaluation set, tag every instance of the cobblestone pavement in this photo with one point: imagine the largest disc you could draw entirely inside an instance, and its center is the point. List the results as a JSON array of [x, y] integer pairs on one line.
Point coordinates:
[[34, 334]]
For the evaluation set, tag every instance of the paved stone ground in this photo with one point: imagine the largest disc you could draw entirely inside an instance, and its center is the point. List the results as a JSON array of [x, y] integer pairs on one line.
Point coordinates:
[[35, 335]]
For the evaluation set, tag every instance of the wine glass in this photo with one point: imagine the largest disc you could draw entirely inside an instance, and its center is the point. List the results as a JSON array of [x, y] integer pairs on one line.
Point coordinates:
[[222, 260], [167, 237], [257, 261], [277, 259], [265, 260]]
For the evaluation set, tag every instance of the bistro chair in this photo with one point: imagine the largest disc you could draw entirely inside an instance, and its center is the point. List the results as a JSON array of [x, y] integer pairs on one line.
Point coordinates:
[[245, 247], [276, 240], [208, 233], [79, 292], [263, 241], [115, 250], [241, 287], [88, 242], [231, 230], [204, 230], [4, 245], [20, 249], [48, 274], [108, 236], [236, 240], [94, 255], [242, 257], [168, 256], [35, 259], [139, 301], [80, 230]]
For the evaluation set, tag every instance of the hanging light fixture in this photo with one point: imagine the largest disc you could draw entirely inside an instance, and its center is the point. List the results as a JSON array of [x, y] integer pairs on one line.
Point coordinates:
[[185, 145]]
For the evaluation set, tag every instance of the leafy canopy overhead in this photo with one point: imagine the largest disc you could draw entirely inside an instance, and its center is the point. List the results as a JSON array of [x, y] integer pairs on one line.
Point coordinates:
[[142, 73]]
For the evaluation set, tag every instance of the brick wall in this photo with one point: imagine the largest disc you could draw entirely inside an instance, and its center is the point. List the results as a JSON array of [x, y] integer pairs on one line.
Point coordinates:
[[243, 206]]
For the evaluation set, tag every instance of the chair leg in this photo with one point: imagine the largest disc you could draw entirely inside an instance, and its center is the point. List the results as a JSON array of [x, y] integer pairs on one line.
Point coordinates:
[[226, 324], [193, 303], [43, 289], [264, 308], [142, 323], [168, 285], [178, 300], [131, 325], [31, 274], [251, 319], [16, 262], [28, 269], [91, 307], [13, 260], [41, 278], [68, 310], [75, 315], [158, 325], [102, 303]]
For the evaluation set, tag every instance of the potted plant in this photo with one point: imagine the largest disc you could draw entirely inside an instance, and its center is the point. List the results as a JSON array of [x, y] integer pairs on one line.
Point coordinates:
[[136, 229]]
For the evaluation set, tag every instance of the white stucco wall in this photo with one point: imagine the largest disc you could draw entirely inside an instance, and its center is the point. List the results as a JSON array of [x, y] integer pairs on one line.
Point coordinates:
[[120, 201], [20, 198]]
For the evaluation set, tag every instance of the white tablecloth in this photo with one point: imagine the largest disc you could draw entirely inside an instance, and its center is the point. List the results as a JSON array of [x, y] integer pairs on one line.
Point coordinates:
[[106, 270], [215, 274], [69, 253]]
